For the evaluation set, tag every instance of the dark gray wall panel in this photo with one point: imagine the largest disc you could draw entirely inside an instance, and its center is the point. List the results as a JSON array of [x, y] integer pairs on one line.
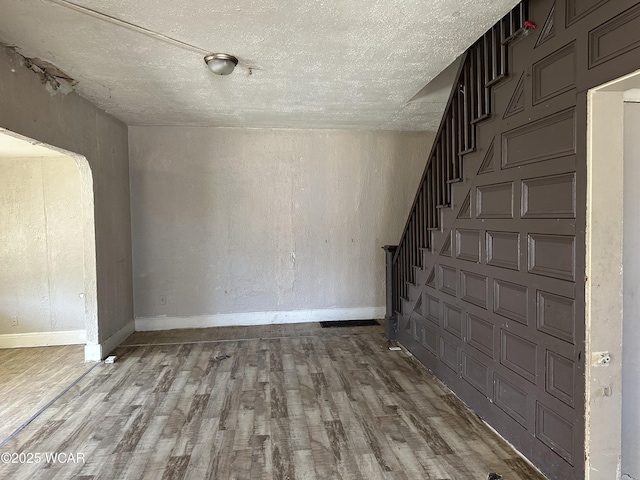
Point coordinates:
[[522, 145], [552, 256], [511, 301], [511, 399], [556, 315], [555, 432], [448, 279], [615, 37], [430, 339], [560, 377], [474, 288], [554, 74], [503, 249], [576, 9], [495, 201], [519, 354], [433, 309], [476, 373], [468, 245], [549, 197], [449, 354], [452, 318], [517, 182], [480, 334]]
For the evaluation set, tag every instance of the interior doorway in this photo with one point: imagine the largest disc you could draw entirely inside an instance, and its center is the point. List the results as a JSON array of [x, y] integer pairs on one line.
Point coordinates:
[[612, 437], [48, 282]]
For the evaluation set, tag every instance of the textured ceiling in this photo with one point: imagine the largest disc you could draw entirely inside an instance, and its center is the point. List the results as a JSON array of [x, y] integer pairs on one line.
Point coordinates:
[[303, 64]]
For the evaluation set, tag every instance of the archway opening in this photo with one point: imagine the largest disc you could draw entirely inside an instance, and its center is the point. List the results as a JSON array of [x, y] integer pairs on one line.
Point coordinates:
[[48, 280]]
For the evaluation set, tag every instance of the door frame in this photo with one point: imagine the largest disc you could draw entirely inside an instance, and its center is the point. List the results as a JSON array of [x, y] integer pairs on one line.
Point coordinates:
[[603, 277]]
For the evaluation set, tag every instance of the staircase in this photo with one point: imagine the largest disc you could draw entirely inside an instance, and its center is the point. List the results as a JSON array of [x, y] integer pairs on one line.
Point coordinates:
[[443, 192]]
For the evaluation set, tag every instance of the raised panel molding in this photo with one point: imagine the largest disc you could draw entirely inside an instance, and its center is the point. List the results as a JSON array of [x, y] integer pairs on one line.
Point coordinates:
[[474, 288], [449, 354], [468, 245], [547, 31], [495, 201], [615, 37], [511, 399], [522, 145], [519, 355], [549, 197], [445, 251], [511, 301], [465, 209], [475, 373], [554, 74], [452, 320], [433, 309], [555, 432], [503, 250], [487, 165], [560, 377], [431, 279], [552, 256], [556, 315], [516, 103], [480, 334], [576, 9], [418, 307], [430, 340], [448, 280]]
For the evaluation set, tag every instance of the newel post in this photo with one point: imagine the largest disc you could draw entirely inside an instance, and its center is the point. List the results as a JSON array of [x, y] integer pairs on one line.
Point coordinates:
[[390, 319]]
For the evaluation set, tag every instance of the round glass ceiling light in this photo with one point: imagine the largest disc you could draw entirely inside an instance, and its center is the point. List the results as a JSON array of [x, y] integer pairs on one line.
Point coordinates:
[[221, 63]]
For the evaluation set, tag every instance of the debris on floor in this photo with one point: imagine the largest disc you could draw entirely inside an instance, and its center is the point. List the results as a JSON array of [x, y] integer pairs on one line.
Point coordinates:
[[494, 476], [220, 358]]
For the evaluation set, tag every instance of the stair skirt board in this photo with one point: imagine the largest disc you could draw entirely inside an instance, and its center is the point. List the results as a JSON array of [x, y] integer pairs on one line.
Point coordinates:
[[257, 318]]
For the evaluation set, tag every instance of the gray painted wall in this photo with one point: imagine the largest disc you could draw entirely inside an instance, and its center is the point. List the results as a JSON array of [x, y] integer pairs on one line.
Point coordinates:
[[42, 272], [631, 324], [72, 123], [247, 220]]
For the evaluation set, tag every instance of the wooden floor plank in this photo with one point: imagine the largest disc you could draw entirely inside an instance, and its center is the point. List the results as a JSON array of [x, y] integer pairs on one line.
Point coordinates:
[[268, 402]]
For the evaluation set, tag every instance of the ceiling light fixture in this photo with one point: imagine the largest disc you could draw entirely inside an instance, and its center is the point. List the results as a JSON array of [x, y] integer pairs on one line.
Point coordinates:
[[221, 63]]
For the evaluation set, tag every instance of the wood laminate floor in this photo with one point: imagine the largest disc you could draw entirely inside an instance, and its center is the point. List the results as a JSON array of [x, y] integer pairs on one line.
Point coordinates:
[[31, 377], [280, 402]]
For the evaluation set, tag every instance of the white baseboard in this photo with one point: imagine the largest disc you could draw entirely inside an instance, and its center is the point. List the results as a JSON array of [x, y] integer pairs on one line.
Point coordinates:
[[144, 324], [97, 351], [43, 339]]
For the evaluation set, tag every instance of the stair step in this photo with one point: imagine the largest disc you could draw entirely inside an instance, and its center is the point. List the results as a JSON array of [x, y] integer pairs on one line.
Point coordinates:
[[481, 118], [421, 276]]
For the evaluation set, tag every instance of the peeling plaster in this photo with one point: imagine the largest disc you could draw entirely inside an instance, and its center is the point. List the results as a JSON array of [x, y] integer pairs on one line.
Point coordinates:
[[54, 80]]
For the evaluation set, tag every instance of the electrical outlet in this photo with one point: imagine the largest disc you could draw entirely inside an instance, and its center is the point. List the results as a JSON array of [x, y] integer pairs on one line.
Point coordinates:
[[163, 299], [14, 321]]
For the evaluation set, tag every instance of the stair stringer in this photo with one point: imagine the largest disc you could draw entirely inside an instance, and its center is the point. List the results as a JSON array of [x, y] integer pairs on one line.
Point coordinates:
[[448, 220]]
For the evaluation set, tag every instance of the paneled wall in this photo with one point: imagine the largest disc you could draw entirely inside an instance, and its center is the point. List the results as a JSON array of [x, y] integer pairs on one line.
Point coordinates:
[[496, 307]]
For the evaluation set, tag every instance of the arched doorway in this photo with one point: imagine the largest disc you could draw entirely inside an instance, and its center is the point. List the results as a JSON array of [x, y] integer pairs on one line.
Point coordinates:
[[48, 231]]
